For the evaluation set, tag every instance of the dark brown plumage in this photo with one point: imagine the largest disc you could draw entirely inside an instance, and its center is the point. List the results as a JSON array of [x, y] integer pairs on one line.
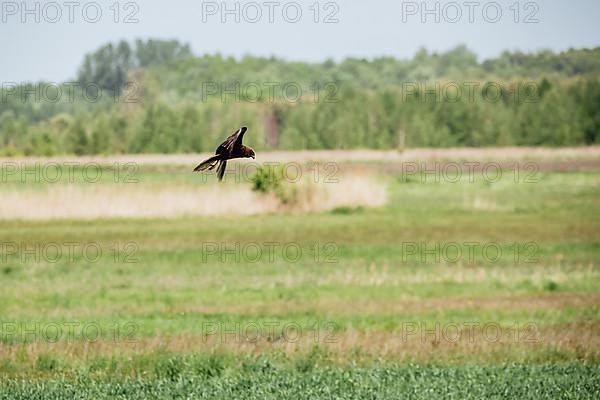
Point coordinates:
[[232, 147]]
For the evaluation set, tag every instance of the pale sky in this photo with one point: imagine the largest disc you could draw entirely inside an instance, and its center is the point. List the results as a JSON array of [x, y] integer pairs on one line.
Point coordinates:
[[53, 51]]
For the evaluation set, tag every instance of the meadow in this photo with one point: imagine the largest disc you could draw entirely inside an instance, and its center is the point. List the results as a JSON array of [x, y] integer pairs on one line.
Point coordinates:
[[378, 281]]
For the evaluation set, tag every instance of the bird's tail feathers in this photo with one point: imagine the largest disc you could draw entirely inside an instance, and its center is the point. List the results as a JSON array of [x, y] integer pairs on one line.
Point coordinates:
[[208, 164]]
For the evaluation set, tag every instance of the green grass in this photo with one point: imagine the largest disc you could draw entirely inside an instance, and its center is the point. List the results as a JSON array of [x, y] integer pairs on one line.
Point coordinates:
[[372, 289], [261, 379]]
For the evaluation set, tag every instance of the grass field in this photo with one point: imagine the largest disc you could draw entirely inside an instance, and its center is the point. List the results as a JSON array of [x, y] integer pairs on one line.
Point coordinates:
[[385, 283]]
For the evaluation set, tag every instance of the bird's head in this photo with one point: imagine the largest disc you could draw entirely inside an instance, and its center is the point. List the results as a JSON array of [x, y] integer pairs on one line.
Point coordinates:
[[249, 152]]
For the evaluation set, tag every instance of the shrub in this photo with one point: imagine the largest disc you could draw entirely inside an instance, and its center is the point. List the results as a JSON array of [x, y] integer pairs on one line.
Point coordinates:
[[272, 180]]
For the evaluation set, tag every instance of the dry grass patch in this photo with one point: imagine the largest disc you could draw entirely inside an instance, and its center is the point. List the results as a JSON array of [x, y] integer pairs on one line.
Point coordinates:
[[171, 201], [447, 343], [303, 156]]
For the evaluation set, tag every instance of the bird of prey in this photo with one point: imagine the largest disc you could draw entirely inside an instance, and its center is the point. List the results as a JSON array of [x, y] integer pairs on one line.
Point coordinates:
[[231, 148]]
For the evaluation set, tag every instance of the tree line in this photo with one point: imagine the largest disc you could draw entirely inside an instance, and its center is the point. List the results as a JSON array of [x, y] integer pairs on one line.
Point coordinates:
[[157, 97]]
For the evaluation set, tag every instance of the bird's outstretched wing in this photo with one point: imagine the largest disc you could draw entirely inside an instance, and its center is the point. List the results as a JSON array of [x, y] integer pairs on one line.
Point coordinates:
[[233, 141]]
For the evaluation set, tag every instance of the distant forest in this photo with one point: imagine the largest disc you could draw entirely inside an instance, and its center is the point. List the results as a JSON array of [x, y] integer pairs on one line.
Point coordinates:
[[155, 96]]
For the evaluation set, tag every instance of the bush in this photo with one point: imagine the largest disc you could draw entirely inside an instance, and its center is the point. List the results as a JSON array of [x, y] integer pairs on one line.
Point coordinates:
[[272, 180]]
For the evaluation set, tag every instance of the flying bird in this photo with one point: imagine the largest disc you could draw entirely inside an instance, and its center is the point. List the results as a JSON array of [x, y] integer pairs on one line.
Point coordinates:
[[231, 148]]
